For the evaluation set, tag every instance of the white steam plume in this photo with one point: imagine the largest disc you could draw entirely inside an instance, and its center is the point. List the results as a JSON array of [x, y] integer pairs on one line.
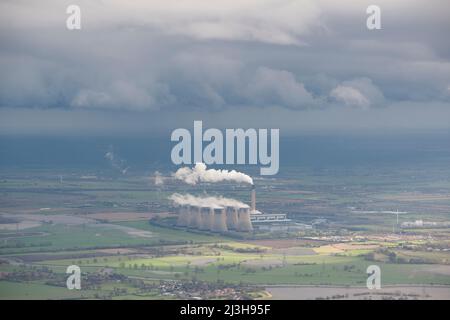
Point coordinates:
[[158, 178], [116, 162], [210, 201], [200, 174]]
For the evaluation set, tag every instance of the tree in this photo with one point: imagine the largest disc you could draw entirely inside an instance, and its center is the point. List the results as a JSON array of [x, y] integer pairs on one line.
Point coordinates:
[[392, 256]]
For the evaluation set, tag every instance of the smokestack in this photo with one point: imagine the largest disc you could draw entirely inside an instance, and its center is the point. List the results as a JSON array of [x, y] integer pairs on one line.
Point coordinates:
[[244, 224], [220, 221], [253, 199], [232, 218]]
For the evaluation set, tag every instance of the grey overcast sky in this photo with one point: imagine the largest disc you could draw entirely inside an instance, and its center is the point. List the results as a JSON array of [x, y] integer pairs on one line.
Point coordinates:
[[299, 65]]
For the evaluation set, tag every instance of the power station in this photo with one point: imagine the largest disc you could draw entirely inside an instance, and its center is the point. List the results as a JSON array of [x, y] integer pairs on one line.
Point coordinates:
[[222, 215]]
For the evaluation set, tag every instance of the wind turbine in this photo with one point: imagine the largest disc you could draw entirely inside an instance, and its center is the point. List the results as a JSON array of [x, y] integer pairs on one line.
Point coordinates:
[[396, 213]]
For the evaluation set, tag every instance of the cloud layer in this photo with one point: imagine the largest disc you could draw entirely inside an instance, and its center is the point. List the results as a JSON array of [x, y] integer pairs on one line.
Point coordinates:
[[160, 57]]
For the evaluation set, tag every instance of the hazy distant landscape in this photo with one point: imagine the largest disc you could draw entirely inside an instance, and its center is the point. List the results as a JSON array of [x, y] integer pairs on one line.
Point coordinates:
[[120, 228]]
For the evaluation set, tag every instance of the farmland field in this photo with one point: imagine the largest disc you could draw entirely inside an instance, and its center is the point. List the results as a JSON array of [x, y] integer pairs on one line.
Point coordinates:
[[121, 232]]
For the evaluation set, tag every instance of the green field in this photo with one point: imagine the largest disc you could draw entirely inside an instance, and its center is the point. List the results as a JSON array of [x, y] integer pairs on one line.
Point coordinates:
[[139, 255], [59, 237]]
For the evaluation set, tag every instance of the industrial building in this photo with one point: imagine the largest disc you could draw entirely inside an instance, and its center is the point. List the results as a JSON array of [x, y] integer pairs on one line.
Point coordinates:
[[225, 216]]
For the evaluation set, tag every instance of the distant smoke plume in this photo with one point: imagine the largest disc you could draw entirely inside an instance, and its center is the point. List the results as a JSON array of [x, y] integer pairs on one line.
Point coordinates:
[[209, 201], [159, 179], [200, 174], [116, 162]]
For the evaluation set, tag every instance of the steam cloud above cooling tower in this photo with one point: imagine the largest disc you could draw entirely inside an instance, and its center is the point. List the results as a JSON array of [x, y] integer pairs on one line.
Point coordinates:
[[200, 174], [188, 199]]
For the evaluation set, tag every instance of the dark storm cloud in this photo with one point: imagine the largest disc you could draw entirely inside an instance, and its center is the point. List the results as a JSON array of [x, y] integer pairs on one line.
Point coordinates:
[[222, 58]]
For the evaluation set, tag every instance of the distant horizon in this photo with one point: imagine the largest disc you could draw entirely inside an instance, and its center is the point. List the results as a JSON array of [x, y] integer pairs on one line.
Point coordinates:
[[306, 150]]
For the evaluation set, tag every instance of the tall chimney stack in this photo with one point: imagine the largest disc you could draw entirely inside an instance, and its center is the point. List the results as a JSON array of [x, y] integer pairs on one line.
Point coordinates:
[[253, 208]]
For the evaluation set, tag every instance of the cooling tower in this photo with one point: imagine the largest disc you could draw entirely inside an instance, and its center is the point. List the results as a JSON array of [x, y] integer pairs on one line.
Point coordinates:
[[192, 213], [220, 220], [253, 209], [232, 218], [207, 218], [183, 216], [244, 223], [197, 219]]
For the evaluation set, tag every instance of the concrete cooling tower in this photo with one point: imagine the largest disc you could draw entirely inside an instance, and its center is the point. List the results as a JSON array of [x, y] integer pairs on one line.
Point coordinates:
[[214, 214], [197, 219], [183, 216], [220, 220], [232, 218], [244, 223], [206, 218], [193, 210]]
